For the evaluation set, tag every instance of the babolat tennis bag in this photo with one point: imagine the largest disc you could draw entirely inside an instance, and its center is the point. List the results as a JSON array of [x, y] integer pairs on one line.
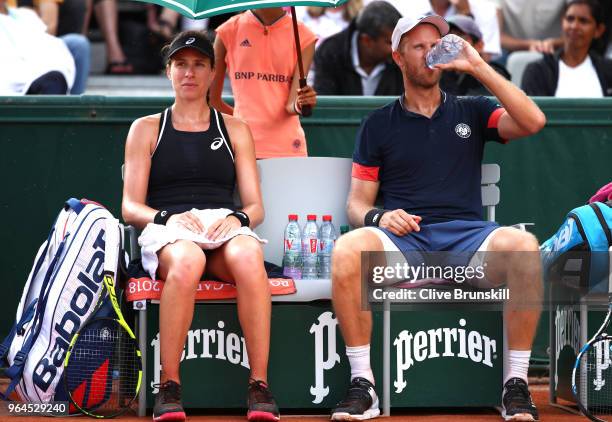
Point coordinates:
[[577, 254], [62, 291]]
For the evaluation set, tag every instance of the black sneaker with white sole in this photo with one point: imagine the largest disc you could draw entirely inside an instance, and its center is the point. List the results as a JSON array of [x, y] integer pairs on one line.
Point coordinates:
[[516, 402], [360, 403]]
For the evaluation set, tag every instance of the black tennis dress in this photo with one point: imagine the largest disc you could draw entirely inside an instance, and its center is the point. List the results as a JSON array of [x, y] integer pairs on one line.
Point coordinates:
[[192, 169]]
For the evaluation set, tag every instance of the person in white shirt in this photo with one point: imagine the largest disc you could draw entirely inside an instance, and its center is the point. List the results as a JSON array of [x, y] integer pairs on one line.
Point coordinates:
[[327, 21], [484, 13], [575, 71], [33, 62]]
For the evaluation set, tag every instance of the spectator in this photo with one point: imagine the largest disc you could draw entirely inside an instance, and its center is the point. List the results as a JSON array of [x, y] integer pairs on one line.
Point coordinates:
[[328, 21], [530, 24], [65, 19], [357, 61], [258, 50], [459, 83], [483, 11], [107, 17], [33, 62], [574, 71]]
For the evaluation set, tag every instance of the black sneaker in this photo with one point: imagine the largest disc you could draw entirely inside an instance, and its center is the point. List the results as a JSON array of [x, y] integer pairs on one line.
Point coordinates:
[[260, 402], [168, 405], [516, 402], [360, 403]]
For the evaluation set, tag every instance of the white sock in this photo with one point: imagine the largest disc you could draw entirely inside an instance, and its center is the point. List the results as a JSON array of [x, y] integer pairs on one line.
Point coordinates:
[[518, 365], [359, 359]]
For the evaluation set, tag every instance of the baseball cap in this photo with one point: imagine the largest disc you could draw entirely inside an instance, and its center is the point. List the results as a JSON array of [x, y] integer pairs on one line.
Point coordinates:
[[406, 23], [198, 43], [466, 25]]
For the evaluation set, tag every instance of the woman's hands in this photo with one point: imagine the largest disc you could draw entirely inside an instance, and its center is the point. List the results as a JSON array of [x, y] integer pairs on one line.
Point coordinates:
[[187, 220], [217, 230], [222, 227]]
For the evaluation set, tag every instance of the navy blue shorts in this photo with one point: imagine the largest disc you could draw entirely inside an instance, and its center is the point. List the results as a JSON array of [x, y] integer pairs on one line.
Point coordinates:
[[462, 238]]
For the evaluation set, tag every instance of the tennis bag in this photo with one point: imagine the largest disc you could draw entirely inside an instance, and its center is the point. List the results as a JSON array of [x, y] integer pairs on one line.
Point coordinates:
[[61, 292], [577, 254]]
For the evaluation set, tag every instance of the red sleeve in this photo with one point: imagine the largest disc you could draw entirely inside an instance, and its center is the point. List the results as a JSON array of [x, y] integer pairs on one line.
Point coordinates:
[[493, 122], [494, 118], [365, 173]]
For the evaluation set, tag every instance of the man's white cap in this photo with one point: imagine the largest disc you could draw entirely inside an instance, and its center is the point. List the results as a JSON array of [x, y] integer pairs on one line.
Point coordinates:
[[406, 23]]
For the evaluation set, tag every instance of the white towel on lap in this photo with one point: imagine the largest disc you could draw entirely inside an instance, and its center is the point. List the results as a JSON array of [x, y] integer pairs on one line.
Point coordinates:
[[156, 236]]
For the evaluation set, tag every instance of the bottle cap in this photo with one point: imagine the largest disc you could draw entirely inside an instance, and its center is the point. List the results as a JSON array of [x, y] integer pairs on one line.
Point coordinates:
[[311, 217], [327, 218], [293, 217]]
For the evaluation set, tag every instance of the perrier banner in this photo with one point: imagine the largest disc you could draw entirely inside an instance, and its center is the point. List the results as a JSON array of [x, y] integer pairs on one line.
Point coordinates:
[[438, 357]]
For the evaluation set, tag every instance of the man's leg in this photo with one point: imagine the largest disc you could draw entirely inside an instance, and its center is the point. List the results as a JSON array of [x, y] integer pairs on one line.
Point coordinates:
[[361, 401], [515, 259]]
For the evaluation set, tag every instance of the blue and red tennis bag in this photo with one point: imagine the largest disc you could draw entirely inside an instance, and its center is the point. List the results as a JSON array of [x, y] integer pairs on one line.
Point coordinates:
[[62, 291], [577, 255]]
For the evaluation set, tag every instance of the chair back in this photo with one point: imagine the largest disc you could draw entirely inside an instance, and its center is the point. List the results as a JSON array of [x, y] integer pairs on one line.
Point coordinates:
[[301, 185]]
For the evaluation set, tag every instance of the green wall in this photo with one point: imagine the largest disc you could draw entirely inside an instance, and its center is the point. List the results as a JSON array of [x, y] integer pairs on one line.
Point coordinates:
[[57, 147]]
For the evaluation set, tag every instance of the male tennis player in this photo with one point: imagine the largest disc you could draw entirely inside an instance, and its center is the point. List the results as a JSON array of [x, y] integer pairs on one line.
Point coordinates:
[[423, 151]]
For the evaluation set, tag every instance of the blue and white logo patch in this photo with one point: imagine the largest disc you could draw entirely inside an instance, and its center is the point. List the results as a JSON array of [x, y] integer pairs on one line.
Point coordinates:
[[463, 130]]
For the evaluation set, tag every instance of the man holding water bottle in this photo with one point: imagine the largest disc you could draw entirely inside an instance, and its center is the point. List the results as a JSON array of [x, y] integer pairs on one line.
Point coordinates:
[[423, 151]]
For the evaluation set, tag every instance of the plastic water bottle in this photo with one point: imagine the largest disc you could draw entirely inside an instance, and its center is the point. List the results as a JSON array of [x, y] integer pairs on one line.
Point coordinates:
[[445, 51], [292, 255], [327, 238], [310, 240]]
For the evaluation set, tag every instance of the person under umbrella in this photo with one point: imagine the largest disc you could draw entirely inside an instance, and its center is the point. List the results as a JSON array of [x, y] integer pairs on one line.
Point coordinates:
[[258, 50]]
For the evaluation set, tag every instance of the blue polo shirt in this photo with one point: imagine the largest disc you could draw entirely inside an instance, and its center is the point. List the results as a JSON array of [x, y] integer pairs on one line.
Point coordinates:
[[430, 167]]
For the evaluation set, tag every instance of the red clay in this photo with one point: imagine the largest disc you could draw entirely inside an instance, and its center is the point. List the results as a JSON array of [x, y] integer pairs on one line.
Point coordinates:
[[539, 393]]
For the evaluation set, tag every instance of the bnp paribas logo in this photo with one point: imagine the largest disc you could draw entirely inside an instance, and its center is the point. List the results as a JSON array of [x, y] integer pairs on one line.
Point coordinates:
[[214, 343], [451, 342]]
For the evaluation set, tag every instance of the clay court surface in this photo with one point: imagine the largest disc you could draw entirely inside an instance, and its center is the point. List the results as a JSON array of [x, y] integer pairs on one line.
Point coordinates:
[[539, 392]]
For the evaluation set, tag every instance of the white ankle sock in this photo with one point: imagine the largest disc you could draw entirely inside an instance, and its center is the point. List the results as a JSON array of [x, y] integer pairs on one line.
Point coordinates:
[[359, 359], [517, 365]]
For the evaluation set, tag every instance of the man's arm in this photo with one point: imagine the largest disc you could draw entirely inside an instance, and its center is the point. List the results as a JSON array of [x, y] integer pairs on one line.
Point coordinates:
[[522, 117], [361, 200]]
